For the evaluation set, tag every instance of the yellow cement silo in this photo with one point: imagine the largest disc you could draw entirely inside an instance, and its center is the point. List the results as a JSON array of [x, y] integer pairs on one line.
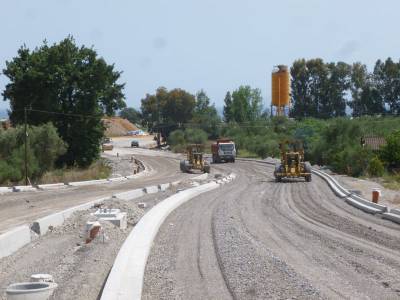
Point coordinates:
[[280, 88]]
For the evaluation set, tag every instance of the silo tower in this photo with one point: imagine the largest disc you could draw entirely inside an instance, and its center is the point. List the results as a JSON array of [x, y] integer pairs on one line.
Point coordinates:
[[280, 89]]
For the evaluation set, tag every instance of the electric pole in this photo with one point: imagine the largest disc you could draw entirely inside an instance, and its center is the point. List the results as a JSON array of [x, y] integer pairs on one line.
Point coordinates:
[[26, 148]]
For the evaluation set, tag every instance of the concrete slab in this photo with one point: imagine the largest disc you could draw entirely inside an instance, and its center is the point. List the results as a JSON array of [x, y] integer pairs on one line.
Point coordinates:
[[14, 239], [120, 220]]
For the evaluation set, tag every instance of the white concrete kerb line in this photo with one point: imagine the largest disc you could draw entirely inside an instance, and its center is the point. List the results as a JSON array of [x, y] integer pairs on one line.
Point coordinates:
[[127, 274]]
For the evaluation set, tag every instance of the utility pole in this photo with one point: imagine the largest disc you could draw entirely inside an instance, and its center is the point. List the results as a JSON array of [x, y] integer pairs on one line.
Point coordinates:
[[26, 148]]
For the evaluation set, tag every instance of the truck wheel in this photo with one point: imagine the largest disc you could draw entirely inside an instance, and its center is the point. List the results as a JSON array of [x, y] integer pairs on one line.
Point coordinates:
[[206, 168], [233, 160], [278, 179], [308, 178], [182, 165]]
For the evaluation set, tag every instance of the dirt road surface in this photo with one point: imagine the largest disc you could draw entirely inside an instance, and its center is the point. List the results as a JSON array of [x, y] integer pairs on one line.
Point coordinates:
[[25, 207], [257, 239]]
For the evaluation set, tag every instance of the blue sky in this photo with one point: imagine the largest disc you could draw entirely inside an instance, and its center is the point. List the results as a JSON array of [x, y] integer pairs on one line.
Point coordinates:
[[215, 45]]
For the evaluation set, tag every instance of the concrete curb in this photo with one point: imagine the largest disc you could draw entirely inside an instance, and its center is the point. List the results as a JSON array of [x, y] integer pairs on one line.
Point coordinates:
[[88, 182], [393, 215], [4, 190], [117, 179], [125, 280], [41, 226], [14, 239], [163, 187], [52, 186], [24, 188], [151, 189]]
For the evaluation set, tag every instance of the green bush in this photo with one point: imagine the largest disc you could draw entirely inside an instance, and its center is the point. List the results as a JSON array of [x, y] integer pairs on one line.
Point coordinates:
[[43, 149], [375, 167], [195, 136], [390, 153]]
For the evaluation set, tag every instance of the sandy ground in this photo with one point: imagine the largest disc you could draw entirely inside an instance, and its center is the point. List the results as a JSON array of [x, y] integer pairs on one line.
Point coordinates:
[[388, 197]]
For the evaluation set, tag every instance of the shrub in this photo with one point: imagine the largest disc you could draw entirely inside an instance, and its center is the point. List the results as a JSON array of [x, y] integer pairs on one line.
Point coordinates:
[[375, 167], [44, 147], [390, 153]]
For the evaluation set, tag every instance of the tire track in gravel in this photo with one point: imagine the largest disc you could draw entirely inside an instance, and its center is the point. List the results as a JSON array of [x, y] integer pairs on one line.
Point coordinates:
[[284, 240]]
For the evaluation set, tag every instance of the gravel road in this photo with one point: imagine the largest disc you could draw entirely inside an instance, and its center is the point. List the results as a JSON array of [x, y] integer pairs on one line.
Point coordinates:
[[25, 207], [257, 239]]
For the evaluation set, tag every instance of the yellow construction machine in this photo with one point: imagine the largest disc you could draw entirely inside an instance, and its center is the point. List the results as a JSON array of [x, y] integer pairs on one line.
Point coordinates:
[[292, 163], [195, 160]]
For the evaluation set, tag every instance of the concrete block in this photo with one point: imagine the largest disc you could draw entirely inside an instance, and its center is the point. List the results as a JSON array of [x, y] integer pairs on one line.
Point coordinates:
[[130, 195], [42, 225], [52, 186], [88, 182], [4, 190], [163, 187], [24, 188], [14, 239], [142, 205], [359, 205], [151, 189], [114, 216], [117, 179]]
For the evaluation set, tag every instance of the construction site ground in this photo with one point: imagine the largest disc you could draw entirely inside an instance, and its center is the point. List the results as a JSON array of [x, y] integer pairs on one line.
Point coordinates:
[[250, 239]]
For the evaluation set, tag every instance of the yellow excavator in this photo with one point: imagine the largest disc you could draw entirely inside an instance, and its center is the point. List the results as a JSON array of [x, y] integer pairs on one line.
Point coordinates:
[[292, 163]]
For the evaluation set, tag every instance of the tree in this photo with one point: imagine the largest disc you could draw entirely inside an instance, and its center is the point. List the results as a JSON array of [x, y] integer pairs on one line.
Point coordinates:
[[131, 114], [205, 115], [300, 91], [228, 117], [387, 78], [246, 104], [168, 107], [69, 86]]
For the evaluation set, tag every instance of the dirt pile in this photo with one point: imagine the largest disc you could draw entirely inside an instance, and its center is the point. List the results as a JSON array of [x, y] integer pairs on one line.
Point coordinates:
[[116, 126]]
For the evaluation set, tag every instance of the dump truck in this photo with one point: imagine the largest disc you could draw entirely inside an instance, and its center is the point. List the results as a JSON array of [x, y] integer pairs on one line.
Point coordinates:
[[292, 163], [195, 159], [223, 150]]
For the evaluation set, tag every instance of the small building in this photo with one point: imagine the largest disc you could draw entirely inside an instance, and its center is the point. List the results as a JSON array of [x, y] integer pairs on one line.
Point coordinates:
[[373, 142]]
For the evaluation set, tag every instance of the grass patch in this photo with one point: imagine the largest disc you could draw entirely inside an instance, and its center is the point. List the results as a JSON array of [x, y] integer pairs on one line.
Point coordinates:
[[98, 170], [243, 153], [391, 181]]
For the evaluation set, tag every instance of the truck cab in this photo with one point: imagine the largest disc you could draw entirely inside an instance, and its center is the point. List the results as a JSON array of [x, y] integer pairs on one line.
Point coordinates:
[[223, 150]]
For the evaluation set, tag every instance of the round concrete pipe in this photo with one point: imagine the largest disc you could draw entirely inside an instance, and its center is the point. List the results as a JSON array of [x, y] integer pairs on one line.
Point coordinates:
[[30, 290]]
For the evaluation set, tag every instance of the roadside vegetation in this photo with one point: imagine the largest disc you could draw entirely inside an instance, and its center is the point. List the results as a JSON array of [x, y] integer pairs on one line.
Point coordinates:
[[62, 91]]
